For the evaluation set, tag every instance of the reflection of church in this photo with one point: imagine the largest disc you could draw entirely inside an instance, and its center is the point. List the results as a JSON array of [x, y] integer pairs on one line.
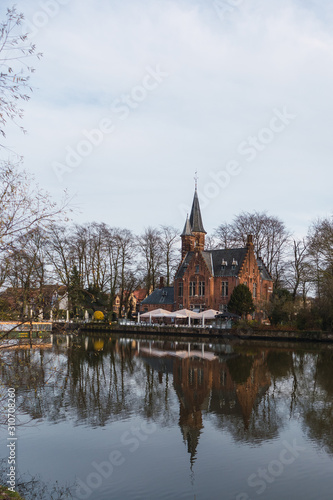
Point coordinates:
[[207, 386], [222, 384]]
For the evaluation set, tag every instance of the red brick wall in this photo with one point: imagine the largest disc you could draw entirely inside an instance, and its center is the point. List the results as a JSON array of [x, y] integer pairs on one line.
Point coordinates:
[[151, 307], [249, 274]]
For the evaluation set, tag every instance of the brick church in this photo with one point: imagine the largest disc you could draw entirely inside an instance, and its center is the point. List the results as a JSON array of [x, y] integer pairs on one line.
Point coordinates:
[[205, 279]]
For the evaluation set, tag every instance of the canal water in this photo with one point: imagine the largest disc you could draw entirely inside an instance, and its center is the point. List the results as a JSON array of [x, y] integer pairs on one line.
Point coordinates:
[[144, 418]]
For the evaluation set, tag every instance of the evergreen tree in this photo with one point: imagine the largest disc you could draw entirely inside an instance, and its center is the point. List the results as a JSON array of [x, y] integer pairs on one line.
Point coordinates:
[[75, 292], [95, 299], [241, 301]]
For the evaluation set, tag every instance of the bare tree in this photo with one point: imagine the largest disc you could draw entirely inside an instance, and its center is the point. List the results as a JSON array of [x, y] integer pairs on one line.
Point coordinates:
[[15, 51], [270, 238], [320, 244], [298, 270], [113, 256], [60, 255], [127, 277], [170, 256], [24, 207], [225, 236], [27, 277], [150, 246]]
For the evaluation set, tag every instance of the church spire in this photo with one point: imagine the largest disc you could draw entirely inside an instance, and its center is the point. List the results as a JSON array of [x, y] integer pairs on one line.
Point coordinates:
[[193, 235], [187, 228], [195, 217]]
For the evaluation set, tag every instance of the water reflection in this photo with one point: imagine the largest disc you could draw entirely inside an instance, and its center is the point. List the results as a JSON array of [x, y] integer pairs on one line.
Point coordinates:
[[249, 392]]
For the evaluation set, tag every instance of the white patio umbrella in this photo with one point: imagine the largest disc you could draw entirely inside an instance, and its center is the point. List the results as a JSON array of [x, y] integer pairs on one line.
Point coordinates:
[[185, 313], [209, 314], [156, 313]]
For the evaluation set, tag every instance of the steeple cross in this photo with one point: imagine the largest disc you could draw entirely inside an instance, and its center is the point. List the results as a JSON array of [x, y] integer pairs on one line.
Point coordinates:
[[196, 179]]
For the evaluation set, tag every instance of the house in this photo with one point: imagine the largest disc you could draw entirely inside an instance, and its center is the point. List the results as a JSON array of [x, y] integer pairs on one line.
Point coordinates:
[[205, 279], [131, 302], [160, 298], [35, 302], [139, 295]]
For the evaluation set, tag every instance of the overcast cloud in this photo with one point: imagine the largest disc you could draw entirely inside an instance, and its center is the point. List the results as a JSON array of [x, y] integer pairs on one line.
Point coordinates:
[[238, 90]]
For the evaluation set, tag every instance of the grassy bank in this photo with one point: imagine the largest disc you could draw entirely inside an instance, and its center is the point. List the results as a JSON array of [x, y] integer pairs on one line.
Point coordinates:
[[5, 494]]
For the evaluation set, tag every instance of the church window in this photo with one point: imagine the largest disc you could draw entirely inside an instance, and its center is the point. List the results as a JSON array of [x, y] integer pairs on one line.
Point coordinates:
[[192, 288], [201, 288], [254, 290], [197, 268], [225, 289], [180, 289], [223, 377]]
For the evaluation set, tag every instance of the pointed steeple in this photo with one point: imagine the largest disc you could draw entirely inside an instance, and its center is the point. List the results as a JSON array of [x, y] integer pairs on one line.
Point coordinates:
[[193, 235], [195, 217], [187, 228]]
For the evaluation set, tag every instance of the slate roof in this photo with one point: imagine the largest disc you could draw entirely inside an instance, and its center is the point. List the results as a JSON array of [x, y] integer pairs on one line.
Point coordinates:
[[187, 228], [230, 256], [195, 217], [160, 296], [233, 258], [214, 259], [264, 271]]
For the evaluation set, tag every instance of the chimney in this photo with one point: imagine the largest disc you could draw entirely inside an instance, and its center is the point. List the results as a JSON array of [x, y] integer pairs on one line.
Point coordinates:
[[249, 240], [161, 282]]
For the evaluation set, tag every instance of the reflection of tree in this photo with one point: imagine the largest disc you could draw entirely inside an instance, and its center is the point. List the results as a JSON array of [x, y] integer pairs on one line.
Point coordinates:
[[33, 488], [315, 396], [244, 406], [28, 371], [240, 368], [251, 394], [86, 386], [279, 364], [302, 378]]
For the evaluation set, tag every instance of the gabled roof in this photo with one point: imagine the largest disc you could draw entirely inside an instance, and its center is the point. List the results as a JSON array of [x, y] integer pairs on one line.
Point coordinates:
[[140, 294], [195, 217], [233, 259], [265, 274], [226, 262], [161, 296]]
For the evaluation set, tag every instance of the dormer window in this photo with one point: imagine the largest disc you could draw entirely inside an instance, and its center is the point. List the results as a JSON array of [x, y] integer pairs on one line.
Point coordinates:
[[234, 264], [224, 264]]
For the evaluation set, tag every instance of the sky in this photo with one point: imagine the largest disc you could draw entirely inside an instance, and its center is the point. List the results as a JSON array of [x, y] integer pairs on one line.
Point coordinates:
[[132, 98]]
